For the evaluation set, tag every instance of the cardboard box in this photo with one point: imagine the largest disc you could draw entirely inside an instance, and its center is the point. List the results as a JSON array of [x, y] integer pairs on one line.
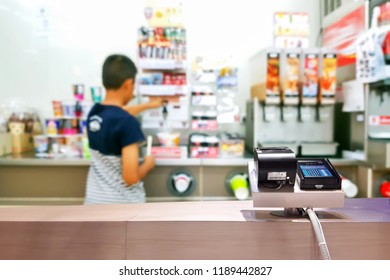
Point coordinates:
[[22, 143], [258, 91], [5, 144]]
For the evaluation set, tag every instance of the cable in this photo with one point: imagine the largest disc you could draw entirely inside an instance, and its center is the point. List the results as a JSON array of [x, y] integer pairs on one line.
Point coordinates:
[[315, 222], [274, 187]]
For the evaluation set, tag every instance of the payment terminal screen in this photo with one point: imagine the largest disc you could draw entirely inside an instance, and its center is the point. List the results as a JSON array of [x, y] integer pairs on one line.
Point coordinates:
[[315, 171]]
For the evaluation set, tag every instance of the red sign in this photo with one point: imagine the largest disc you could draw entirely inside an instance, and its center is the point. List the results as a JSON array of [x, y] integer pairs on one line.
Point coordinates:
[[379, 120], [342, 35], [384, 16], [166, 152]]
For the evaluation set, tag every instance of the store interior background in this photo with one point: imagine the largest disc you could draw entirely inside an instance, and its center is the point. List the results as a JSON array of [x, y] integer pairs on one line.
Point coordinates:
[[39, 66]]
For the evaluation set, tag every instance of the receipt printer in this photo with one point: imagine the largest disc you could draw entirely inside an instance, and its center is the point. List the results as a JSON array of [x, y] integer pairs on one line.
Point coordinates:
[[276, 168]]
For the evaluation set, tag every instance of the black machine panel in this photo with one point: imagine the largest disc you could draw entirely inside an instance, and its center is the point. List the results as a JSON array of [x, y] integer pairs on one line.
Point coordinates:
[[317, 174], [276, 168]]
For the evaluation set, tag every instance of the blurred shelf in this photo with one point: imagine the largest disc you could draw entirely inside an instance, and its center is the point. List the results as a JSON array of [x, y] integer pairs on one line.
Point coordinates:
[[162, 89], [61, 135], [161, 64], [67, 118], [29, 159]]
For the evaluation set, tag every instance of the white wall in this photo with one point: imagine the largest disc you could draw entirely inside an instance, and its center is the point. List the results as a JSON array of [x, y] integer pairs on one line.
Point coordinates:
[[83, 32]]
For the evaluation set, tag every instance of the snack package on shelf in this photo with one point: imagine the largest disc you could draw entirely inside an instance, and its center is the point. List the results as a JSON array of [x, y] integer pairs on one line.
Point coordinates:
[[231, 145], [59, 146], [203, 146], [162, 43], [168, 146]]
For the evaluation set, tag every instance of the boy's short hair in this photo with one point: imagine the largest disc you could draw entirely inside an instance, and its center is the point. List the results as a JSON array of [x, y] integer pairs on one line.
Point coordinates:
[[117, 69]]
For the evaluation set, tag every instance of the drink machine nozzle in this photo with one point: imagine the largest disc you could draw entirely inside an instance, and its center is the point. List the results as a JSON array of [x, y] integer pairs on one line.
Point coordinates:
[[165, 110]]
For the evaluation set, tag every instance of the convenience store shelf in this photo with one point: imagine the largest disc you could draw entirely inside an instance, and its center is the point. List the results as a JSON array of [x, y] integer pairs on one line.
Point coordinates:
[[161, 64], [162, 90]]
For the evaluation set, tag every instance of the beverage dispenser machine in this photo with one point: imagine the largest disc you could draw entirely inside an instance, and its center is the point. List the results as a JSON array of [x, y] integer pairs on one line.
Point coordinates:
[[293, 96]]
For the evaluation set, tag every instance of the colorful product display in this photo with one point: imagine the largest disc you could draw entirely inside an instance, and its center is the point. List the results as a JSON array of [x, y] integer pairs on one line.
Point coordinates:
[[65, 126], [204, 120], [232, 148], [66, 131], [57, 108], [41, 145], [167, 139], [97, 94], [78, 91], [224, 145], [227, 77], [162, 51], [295, 76], [168, 152], [203, 146], [58, 146], [71, 109], [162, 43], [163, 79]]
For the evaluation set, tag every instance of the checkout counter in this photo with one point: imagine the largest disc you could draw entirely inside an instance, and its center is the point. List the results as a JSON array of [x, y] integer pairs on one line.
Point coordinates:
[[197, 230]]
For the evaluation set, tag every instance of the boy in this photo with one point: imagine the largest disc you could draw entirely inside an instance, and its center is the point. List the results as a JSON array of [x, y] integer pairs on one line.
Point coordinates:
[[114, 136]]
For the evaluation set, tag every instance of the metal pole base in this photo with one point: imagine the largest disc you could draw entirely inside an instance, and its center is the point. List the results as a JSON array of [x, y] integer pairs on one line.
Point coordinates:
[[290, 213]]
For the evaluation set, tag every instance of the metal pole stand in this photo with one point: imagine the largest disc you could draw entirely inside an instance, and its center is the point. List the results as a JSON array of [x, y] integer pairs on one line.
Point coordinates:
[[289, 213]]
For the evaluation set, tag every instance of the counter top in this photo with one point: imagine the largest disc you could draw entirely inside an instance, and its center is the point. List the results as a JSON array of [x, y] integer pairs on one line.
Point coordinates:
[[191, 230], [29, 159], [354, 210]]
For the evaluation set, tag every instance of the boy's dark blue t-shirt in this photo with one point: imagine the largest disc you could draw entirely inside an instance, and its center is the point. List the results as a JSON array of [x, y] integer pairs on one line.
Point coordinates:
[[110, 128]]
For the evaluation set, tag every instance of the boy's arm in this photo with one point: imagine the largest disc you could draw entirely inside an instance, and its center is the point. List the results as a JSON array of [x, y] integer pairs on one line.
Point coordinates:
[[132, 171], [136, 109]]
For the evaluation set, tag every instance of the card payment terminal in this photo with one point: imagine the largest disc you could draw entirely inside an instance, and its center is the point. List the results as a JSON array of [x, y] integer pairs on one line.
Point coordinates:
[[317, 174]]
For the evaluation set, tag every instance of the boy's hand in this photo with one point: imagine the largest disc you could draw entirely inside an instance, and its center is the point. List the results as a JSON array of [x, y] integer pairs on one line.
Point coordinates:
[[149, 162], [156, 102]]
